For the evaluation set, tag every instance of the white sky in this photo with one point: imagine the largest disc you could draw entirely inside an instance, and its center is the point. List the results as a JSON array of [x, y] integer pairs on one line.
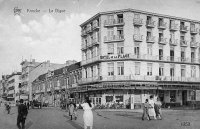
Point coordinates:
[[56, 37]]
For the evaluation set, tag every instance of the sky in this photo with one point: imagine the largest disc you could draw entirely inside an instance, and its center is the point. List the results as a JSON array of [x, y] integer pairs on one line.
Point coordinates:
[[42, 32]]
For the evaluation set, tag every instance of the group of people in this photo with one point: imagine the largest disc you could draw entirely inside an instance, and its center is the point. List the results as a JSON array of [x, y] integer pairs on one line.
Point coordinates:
[[87, 115], [152, 108]]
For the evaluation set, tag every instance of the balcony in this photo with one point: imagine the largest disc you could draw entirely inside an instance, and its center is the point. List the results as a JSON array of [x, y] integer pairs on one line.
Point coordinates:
[[114, 38], [137, 22], [194, 30], [183, 29], [150, 39], [95, 41], [83, 47], [89, 29], [183, 43], [162, 25], [83, 33], [88, 80], [95, 25], [173, 42], [114, 22], [173, 27], [162, 40], [138, 37], [90, 60], [150, 24], [193, 44]]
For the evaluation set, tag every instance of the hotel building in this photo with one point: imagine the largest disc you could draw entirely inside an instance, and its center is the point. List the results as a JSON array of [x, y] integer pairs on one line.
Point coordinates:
[[129, 54]]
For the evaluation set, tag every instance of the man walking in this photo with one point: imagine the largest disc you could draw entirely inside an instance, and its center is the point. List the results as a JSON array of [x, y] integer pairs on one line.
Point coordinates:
[[22, 113]]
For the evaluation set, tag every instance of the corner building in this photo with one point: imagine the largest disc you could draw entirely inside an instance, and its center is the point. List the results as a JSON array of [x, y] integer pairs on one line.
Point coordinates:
[[129, 54]]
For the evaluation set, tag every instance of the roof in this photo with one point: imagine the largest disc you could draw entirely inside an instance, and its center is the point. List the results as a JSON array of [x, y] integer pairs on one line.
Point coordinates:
[[137, 11], [74, 67]]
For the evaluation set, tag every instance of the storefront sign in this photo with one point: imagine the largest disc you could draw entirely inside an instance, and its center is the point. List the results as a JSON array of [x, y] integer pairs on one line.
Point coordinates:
[[110, 57]]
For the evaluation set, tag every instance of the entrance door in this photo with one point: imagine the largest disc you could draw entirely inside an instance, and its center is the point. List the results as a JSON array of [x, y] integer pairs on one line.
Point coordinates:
[[184, 97]]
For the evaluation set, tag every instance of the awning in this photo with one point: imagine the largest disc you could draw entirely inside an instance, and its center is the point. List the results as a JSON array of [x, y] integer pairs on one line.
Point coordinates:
[[37, 96]]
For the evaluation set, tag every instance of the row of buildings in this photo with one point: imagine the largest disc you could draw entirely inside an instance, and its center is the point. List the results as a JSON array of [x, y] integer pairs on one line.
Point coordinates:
[[127, 55]]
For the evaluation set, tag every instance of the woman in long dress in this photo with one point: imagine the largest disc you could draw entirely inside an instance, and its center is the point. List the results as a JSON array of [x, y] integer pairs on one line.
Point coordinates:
[[87, 115], [151, 108]]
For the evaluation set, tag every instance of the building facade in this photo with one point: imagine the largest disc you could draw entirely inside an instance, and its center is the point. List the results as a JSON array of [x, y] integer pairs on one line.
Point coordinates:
[[129, 54], [53, 86], [30, 71], [13, 94]]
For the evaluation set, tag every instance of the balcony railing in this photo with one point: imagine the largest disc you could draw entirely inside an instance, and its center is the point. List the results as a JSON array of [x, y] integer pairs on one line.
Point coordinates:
[[183, 29], [162, 25], [173, 42], [194, 30], [138, 37], [114, 38], [114, 22], [173, 27], [139, 78], [95, 41], [183, 43], [83, 33], [162, 40], [193, 44], [83, 47], [89, 29], [150, 23], [95, 25], [87, 61], [150, 39], [137, 21]]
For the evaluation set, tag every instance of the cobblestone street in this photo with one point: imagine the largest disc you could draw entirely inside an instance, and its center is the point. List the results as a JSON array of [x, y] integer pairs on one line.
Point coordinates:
[[55, 118]]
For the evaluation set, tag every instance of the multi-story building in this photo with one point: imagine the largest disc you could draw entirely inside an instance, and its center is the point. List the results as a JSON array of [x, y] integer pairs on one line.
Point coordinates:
[[30, 71], [53, 86], [13, 80], [129, 54]]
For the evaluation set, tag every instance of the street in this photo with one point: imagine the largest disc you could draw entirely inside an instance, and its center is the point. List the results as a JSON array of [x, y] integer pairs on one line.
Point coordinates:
[[55, 118]]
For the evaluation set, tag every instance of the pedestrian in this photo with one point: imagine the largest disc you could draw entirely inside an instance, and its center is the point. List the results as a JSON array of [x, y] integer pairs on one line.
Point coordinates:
[[146, 110], [87, 115], [8, 107], [71, 109], [22, 114], [27, 105], [157, 107], [151, 108]]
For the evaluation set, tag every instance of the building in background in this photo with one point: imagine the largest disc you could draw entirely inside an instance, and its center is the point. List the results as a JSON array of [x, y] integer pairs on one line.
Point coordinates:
[[30, 71], [129, 54], [13, 81], [53, 86]]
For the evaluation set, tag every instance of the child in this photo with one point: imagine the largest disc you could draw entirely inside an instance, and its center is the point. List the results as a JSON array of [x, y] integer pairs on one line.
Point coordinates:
[[146, 110]]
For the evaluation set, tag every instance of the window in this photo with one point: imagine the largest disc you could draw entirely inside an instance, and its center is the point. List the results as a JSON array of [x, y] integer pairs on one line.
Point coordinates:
[[182, 70], [149, 69], [161, 36], [182, 54], [193, 38], [193, 95], [161, 70], [110, 19], [193, 71], [110, 33], [192, 54], [136, 30], [172, 70], [149, 49], [137, 50], [110, 69], [137, 68], [160, 21], [171, 53], [110, 49], [92, 71], [120, 68], [160, 52], [136, 16], [120, 48]]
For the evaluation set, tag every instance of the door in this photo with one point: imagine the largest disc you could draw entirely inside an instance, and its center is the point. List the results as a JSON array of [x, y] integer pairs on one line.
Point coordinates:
[[184, 97], [132, 101]]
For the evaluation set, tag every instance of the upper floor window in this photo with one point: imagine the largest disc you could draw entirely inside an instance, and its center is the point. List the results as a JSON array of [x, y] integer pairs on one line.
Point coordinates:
[[120, 48], [183, 71], [149, 49], [149, 69], [161, 70], [110, 69], [110, 49], [137, 68], [120, 68], [193, 71]]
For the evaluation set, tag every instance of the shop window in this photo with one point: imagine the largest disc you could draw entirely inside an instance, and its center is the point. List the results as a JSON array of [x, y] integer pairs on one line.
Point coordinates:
[[119, 99], [193, 95], [109, 99], [173, 96]]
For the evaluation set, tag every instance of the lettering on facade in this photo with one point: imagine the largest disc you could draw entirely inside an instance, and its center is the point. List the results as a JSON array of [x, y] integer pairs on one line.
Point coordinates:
[[110, 57]]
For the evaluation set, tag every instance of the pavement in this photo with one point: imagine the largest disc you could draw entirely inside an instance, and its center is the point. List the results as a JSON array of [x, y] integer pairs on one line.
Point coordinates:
[[55, 118]]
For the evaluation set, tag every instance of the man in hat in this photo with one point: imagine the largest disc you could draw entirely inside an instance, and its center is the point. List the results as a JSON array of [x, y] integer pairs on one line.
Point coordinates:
[[22, 114]]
